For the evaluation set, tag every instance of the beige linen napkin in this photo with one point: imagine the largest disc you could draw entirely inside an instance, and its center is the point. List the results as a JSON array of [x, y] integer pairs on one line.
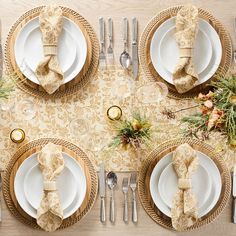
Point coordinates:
[[48, 71], [184, 75], [51, 163], [184, 211]]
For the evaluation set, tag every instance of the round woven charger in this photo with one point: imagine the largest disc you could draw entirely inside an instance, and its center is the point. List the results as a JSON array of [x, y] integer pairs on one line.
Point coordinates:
[[145, 58], [150, 163], [33, 147], [88, 71]]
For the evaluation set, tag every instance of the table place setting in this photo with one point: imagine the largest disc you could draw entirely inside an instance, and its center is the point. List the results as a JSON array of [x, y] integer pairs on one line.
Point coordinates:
[[77, 130], [181, 206], [203, 52], [126, 60], [49, 183], [73, 63], [110, 180]]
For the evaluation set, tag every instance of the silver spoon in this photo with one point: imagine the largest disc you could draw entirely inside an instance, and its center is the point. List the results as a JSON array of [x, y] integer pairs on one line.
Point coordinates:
[[125, 59], [111, 182]]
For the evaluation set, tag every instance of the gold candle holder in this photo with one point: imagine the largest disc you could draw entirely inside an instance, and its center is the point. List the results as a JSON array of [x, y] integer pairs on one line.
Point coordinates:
[[17, 135], [114, 113]]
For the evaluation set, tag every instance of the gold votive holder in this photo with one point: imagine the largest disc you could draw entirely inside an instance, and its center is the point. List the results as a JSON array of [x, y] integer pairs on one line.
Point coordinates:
[[17, 135], [114, 113]]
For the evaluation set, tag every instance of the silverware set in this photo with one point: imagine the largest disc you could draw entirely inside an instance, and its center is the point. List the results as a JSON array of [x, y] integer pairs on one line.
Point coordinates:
[[102, 55], [111, 181], [102, 191], [135, 48], [110, 54], [125, 59], [125, 189], [134, 202]]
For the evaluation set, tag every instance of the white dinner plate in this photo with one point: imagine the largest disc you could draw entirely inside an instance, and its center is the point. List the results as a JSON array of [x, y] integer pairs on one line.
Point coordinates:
[[202, 52], [71, 164], [66, 185], [72, 49], [212, 170], [170, 50], [200, 180]]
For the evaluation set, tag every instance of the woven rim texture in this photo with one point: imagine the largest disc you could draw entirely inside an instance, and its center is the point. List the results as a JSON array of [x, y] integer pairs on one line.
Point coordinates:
[[152, 160], [144, 51], [70, 87], [32, 146]]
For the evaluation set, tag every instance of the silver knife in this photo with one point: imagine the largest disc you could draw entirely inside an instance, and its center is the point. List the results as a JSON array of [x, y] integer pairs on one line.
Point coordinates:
[[234, 195], [102, 191], [1, 52], [135, 48]]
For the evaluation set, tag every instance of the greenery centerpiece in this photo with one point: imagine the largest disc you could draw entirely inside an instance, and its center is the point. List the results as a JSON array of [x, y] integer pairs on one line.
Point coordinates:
[[217, 111], [132, 133], [6, 86]]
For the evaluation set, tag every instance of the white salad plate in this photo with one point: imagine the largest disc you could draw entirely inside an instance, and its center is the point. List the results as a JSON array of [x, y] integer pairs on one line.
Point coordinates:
[[72, 49], [29, 199], [202, 52], [207, 52], [66, 184], [200, 181], [212, 171]]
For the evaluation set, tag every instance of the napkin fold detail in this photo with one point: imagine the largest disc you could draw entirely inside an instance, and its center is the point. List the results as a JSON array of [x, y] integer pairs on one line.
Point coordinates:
[[184, 75], [184, 212], [49, 186], [50, 50], [51, 163], [184, 183], [48, 71]]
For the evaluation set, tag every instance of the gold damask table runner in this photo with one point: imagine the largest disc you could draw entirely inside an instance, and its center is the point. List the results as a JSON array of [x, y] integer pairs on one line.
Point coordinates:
[[57, 118]]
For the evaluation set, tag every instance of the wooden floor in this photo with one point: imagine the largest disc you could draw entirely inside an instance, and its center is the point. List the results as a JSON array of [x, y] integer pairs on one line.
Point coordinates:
[[225, 11]]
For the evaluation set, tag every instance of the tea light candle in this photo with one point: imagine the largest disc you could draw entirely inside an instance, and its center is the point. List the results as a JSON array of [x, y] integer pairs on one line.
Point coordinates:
[[17, 135], [114, 113]]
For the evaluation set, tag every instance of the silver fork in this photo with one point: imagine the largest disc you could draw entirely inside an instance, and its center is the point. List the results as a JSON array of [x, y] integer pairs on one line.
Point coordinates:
[[125, 188], [102, 56], [110, 54], [134, 203], [235, 32]]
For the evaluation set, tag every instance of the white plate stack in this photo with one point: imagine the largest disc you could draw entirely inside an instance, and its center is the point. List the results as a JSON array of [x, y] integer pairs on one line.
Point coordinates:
[[207, 51], [71, 185], [206, 183], [72, 49]]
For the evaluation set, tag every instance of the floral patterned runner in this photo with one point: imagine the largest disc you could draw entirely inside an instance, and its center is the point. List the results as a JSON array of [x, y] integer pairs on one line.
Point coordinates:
[[81, 119]]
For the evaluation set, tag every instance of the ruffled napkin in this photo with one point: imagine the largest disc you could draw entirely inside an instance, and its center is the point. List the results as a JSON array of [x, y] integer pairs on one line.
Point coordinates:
[[184, 212], [51, 163], [48, 71], [184, 75]]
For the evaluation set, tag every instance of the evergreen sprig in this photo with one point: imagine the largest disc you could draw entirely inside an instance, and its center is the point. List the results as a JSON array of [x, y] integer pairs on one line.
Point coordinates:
[[132, 132], [223, 99]]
